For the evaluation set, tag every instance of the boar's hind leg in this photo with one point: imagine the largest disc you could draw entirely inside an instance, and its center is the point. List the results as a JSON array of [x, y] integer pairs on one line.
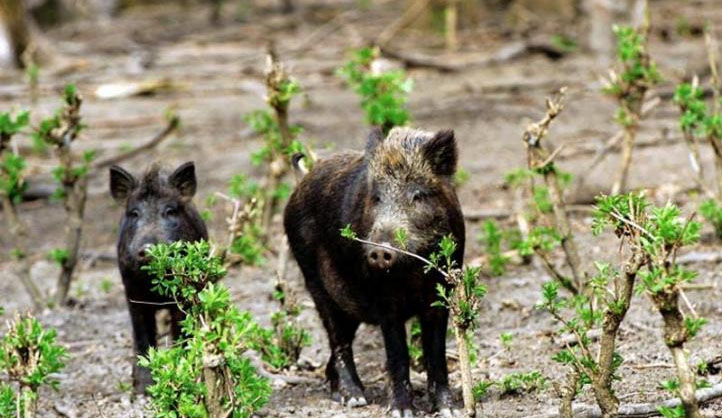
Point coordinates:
[[346, 387], [397, 363], [433, 338], [144, 336]]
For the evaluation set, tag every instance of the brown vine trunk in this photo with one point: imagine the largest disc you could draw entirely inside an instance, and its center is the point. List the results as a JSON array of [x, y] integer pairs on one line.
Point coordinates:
[[464, 359], [675, 335], [279, 165], [75, 208], [465, 369], [602, 381], [11, 215], [717, 148], [694, 160], [633, 108], [213, 381], [561, 219], [29, 402], [568, 393], [620, 183], [16, 229]]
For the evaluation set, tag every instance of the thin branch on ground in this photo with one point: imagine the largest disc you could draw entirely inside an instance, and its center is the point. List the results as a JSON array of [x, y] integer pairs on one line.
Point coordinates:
[[172, 126]]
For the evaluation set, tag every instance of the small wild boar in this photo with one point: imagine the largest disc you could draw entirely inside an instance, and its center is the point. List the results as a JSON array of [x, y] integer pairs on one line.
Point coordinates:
[[402, 181], [158, 209]]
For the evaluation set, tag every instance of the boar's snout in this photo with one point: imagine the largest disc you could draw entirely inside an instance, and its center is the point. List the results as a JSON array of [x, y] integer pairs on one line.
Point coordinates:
[[381, 258]]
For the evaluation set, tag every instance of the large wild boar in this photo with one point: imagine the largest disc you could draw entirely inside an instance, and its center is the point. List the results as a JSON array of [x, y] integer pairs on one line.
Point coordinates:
[[158, 209], [402, 181]]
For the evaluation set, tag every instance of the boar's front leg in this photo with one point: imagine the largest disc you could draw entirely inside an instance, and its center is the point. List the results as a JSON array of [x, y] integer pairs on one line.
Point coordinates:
[[144, 336], [397, 363], [433, 339], [346, 386]]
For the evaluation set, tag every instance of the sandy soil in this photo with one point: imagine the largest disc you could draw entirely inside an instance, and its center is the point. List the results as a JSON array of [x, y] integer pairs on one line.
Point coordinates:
[[217, 74]]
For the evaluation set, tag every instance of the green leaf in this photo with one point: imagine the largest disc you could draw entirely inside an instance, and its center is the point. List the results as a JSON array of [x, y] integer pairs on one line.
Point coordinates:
[[346, 232]]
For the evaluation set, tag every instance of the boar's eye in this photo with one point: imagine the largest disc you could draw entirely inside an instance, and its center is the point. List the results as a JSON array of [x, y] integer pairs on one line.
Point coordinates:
[[134, 214], [375, 198], [170, 211], [417, 196]]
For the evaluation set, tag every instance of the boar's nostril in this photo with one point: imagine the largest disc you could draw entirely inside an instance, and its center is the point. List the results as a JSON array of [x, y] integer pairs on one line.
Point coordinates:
[[387, 256], [143, 252]]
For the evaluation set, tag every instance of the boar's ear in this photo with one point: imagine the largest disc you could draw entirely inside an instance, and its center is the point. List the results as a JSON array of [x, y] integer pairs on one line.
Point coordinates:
[[376, 136], [442, 153], [122, 184], [183, 179]]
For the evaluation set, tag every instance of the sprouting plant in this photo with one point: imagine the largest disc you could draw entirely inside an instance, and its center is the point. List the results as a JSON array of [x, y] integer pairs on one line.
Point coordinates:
[[383, 94], [30, 355], [514, 383], [106, 285], [699, 122], [416, 351], [12, 186], [247, 242], [461, 177], [206, 373], [287, 338], [506, 339], [290, 337], [712, 212], [491, 236], [564, 43], [628, 86], [481, 388], [12, 165], [280, 137], [551, 223], [651, 236], [401, 238], [60, 131]]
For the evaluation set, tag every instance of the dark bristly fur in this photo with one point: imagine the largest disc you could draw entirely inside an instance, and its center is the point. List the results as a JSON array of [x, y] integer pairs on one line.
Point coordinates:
[[158, 208], [401, 181]]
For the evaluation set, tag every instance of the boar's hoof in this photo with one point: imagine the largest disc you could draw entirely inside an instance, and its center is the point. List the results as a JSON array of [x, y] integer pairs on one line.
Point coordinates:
[[397, 413], [356, 401], [352, 402]]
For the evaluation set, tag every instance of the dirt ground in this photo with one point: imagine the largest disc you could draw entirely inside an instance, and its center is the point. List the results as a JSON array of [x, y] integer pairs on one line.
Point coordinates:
[[216, 74]]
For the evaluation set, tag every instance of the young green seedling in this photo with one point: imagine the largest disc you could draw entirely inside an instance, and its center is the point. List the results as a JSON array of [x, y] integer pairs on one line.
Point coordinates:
[[638, 74], [61, 131], [30, 356], [383, 94], [12, 186], [205, 373]]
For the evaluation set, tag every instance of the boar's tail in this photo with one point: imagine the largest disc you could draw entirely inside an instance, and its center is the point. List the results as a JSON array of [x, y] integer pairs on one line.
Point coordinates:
[[300, 165]]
